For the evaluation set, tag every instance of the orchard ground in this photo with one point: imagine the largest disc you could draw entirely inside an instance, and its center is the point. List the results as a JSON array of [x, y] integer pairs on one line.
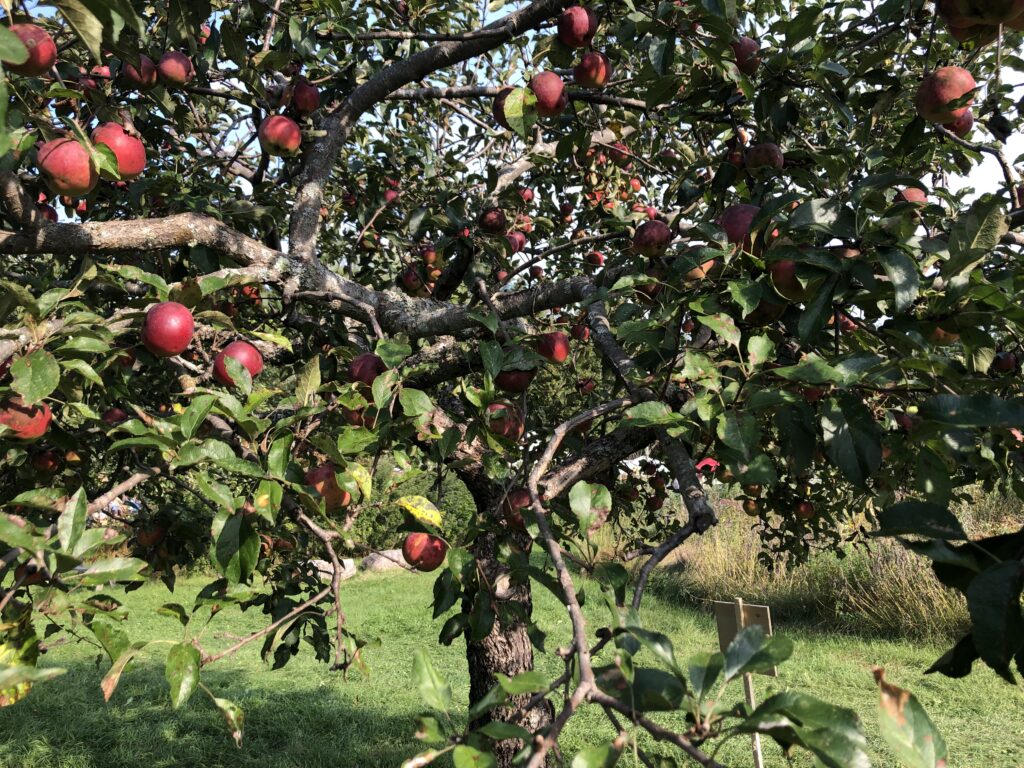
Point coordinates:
[[306, 717]]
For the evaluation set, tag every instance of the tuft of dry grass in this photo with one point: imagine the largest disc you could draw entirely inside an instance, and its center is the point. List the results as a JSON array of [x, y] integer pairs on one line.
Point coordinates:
[[878, 588]]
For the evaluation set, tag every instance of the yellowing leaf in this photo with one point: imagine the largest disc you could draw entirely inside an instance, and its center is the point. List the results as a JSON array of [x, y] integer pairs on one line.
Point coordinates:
[[422, 509]]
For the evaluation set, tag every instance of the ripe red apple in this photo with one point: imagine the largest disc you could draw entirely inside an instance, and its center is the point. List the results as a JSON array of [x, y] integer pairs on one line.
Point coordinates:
[[536, 272], [577, 26], [736, 221], [513, 505], [27, 423], [46, 462], [594, 70], [114, 416], [765, 155], [595, 259], [549, 89], [517, 241], [962, 126], [652, 238], [941, 337], [67, 167], [42, 52], [150, 535], [175, 69], [514, 381], [805, 510], [365, 368], [945, 85], [747, 51], [566, 209], [700, 271], [326, 484], [504, 420], [280, 136], [585, 386], [204, 34], [168, 328], [620, 154], [498, 108], [751, 507], [424, 552], [1005, 362], [525, 194], [305, 97], [129, 150], [410, 280], [911, 195], [501, 275], [242, 351], [553, 346], [142, 77], [784, 279], [493, 221]]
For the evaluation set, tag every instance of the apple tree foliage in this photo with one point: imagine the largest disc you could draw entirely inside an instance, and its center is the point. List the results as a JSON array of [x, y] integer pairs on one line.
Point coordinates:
[[845, 350]]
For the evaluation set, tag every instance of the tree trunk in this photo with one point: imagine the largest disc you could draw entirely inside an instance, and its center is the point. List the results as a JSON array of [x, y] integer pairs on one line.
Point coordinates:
[[506, 648]]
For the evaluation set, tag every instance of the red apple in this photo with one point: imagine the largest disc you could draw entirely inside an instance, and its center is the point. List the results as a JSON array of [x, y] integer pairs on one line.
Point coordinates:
[[513, 505], [67, 167], [325, 483], [493, 221], [550, 92], [365, 368], [142, 77], [962, 126], [652, 238], [765, 155], [566, 210], [747, 51], [424, 552], [911, 195], [525, 194], [242, 351], [305, 97], [751, 507], [504, 420], [513, 381], [577, 26], [42, 52], [1005, 362], [114, 416], [280, 136], [736, 221], [595, 259], [168, 328], [620, 154], [150, 535], [805, 510], [26, 422], [939, 89], [175, 69], [553, 346], [129, 150], [46, 462], [536, 272], [784, 279], [594, 70], [517, 241]]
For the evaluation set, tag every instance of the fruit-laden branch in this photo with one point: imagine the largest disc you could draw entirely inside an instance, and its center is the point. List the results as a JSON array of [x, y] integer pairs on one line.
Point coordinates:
[[486, 91], [702, 514], [178, 231], [321, 157]]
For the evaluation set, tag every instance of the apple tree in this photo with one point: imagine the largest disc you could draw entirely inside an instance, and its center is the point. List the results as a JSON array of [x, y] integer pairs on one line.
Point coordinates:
[[250, 249]]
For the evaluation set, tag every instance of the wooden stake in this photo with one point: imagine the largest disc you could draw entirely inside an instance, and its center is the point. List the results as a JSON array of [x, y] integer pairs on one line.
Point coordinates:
[[748, 687]]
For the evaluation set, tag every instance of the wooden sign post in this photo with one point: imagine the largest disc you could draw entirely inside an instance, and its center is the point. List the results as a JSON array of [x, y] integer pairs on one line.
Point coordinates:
[[731, 618]]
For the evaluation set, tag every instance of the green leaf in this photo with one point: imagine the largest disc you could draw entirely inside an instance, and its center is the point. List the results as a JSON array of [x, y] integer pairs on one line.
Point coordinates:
[[499, 731], [111, 569], [12, 50], [36, 376], [466, 756], [194, 415], [436, 693], [705, 669], [650, 414], [993, 598], [600, 756], [113, 639], [752, 651], [234, 718], [904, 275], [308, 382], [363, 479], [853, 438], [415, 402], [110, 680], [920, 518], [724, 327], [974, 234], [907, 729], [660, 645], [521, 111], [71, 523], [182, 672], [392, 352], [525, 682], [760, 350], [85, 24], [741, 433], [973, 411], [237, 546]]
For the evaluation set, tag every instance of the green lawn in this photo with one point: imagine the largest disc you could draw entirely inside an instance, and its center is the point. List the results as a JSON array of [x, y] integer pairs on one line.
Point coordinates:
[[304, 716]]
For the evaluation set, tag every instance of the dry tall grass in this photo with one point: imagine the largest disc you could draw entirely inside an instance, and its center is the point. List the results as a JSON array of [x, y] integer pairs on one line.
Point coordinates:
[[882, 589]]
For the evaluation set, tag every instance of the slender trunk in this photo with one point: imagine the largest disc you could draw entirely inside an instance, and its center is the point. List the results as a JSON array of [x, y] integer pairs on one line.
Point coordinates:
[[506, 648]]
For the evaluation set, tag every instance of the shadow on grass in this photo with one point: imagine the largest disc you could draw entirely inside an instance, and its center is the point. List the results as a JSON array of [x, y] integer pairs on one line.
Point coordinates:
[[65, 723]]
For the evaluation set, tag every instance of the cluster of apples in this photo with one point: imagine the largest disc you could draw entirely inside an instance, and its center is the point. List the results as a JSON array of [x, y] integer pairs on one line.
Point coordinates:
[[979, 20], [280, 135], [420, 278], [945, 96]]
